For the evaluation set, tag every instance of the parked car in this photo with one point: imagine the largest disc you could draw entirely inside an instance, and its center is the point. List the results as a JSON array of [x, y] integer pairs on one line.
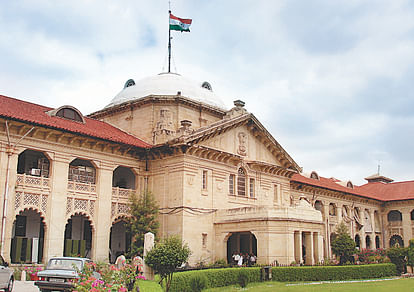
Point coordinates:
[[60, 273], [6, 276]]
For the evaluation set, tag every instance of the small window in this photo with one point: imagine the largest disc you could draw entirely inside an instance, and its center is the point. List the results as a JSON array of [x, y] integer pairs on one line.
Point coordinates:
[[204, 240], [204, 179], [241, 183], [276, 194], [231, 184], [69, 114], [251, 185]]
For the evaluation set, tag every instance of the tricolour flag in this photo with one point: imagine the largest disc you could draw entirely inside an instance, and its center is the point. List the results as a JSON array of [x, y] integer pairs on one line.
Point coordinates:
[[179, 24]]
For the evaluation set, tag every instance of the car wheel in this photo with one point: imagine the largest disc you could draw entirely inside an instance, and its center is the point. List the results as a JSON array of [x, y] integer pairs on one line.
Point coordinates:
[[10, 285]]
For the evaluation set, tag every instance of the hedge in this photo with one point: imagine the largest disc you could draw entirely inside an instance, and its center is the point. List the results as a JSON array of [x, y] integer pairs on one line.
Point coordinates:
[[332, 273], [229, 276], [215, 278]]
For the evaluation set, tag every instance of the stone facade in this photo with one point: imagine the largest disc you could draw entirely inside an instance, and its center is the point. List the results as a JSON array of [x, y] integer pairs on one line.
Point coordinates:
[[223, 183]]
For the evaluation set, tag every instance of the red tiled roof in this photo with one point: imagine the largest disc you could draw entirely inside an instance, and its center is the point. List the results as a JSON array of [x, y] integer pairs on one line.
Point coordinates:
[[390, 191], [36, 114], [377, 190]]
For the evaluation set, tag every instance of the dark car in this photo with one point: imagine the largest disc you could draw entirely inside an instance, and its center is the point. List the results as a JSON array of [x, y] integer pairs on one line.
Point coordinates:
[[60, 273], [6, 276]]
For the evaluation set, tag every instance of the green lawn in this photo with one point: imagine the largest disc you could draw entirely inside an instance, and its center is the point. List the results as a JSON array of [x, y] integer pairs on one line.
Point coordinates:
[[381, 286]]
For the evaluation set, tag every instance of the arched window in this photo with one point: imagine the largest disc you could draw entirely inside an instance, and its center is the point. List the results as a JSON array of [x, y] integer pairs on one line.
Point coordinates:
[[357, 241], [332, 209], [394, 215], [368, 242], [319, 206], [314, 175], [377, 242], [396, 240], [241, 182], [70, 114]]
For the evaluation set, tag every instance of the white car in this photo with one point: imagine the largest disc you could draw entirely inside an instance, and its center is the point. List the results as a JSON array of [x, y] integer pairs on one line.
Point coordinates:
[[60, 273], [6, 276]]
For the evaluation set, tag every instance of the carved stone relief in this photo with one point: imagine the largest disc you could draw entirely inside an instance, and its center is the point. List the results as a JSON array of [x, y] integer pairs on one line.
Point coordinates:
[[242, 149]]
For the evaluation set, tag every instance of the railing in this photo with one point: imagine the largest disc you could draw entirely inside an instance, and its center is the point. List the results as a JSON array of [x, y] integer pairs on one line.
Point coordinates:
[[26, 180], [122, 193], [88, 188]]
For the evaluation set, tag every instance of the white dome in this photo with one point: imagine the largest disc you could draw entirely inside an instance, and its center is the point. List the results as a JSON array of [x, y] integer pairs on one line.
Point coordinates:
[[167, 84]]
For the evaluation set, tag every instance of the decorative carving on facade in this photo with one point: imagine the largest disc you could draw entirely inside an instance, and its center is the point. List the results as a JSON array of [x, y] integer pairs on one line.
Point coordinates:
[[190, 180], [242, 149], [23, 200], [118, 209], [164, 128], [83, 205]]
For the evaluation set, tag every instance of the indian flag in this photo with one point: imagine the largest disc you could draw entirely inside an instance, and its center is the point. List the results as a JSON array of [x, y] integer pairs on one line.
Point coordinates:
[[179, 24]]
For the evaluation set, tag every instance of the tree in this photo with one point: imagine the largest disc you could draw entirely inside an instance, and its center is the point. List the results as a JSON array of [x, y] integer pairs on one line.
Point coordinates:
[[166, 257], [144, 211], [410, 254], [398, 256], [342, 244]]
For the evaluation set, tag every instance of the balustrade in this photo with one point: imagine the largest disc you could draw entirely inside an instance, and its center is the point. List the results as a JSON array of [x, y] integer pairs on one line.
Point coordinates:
[[79, 187], [26, 180], [122, 193]]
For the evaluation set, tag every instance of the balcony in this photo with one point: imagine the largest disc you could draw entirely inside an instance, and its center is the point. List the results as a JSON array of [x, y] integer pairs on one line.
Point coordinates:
[[82, 188], [30, 181], [121, 193]]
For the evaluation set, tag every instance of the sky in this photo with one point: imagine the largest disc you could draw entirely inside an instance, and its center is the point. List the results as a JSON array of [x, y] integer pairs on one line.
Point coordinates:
[[332, 81]]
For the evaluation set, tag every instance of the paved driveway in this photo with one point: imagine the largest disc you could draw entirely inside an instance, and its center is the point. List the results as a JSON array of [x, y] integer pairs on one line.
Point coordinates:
[[27, 286]]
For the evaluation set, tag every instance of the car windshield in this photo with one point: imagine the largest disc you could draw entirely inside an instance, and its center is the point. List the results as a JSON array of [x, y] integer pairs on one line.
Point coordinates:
[[64, 264]]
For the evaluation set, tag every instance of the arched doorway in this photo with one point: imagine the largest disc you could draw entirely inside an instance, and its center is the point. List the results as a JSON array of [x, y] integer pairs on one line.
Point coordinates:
[[78, 236], [27, 238], [120, 239], [241, 242], [396, 240]]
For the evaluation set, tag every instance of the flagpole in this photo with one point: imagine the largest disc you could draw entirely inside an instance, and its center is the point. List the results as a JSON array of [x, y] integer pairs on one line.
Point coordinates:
[[169, 42]]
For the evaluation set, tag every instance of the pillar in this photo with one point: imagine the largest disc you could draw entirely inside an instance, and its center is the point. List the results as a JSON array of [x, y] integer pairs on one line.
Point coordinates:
[[374, 234], [101, 236], [309, 248], [315, 247], [55, 232], [406, 224], [298, 246], [12, 158]]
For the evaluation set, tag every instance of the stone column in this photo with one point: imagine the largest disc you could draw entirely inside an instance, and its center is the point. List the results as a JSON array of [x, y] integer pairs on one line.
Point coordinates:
[[102, 222], [339, 213], [326, 247], [386, 239], [406, 224], [148, 245], [298, 246], [309, 248], [12, 158], [372, 216], [315, 247], [55, 224]]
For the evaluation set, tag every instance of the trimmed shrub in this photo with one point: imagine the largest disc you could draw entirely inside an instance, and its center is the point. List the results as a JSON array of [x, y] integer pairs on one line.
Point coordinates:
[[231, 276], [243, 278], [215, 278], [198, 282], [329, 273]]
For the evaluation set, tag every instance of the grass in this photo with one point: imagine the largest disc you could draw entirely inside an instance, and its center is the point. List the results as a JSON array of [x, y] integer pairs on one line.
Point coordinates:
[[396, 285], [149, 286]]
